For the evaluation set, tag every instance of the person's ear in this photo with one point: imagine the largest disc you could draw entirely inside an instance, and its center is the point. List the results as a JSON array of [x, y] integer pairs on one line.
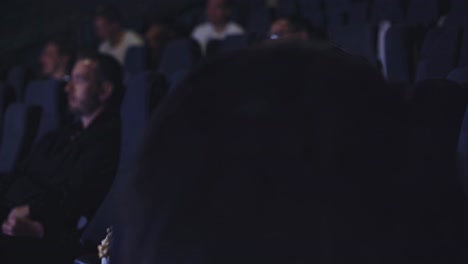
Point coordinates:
[[107, 89]]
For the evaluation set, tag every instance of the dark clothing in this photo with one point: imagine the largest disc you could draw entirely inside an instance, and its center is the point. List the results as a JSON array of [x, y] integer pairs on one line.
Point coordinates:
[[66, 176]]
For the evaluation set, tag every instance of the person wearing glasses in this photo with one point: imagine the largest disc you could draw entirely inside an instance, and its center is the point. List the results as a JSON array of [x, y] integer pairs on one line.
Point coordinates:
[[294, 27]]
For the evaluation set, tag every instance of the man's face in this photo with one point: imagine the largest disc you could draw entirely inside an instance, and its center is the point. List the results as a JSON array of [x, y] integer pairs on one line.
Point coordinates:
[[84, 88], [105, 29], [217, 12], [281, 29], [157, 37], [50, 59]]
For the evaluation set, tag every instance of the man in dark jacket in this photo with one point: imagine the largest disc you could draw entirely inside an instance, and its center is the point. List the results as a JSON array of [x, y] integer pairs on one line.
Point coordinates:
[[69, 172]]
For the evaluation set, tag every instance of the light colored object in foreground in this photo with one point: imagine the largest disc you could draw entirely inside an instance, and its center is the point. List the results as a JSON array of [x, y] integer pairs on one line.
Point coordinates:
[[104, 252]]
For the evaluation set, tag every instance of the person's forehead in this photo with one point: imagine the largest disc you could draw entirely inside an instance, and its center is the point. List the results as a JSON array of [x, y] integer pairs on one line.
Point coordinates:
[[156, 29], [281, 24], [51, 47], [84, 66], [101, 21]]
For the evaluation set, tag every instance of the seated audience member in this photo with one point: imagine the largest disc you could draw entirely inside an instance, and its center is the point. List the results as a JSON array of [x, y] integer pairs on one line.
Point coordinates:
[[68, 173], [294, 28], [157, 37], [218, 25], [267, 156], [116, 40], [55, 59]]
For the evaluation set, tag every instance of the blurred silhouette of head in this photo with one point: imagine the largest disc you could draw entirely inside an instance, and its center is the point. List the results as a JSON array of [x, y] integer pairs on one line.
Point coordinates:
[[107, 22], [55, 58], [294, 27], [96, 83], [218, 12], [274, 154], [158, 35]]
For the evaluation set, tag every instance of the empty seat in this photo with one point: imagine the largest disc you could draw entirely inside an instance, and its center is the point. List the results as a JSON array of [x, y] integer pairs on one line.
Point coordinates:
[[177, 78], [357, 39], [286, 8], [422, 12], [463, 60], [439, 53], [136, 60], [436, 117], [19, 128], [358, 13], [459, 75], [400, 50], [17, 78], [49, 95], [232, 43], [258, 22], [386, 10], [179, 55], [140, 99], [336, 12], [311, 10], [457, 18], [457, 14]]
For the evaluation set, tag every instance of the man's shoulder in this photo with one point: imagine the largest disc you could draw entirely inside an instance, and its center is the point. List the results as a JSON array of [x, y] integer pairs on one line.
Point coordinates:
[[105, 46], [202, 28], [107, 127], [133, 38], [234, 28]]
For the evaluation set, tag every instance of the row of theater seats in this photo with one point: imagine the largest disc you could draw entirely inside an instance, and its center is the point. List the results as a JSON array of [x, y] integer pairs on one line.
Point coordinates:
[[411, 48], [404, 54], [26, 120], [326, 13]]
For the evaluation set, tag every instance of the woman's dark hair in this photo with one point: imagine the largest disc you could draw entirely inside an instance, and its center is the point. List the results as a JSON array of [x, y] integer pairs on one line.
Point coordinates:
[[282, 153], [109, 70]]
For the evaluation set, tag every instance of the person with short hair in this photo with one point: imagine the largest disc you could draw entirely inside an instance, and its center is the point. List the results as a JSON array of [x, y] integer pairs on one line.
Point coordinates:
[[287, 152], [116, 39], [158, 35], [68, 173], [294, 27], [56, 58], [218, 25]]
